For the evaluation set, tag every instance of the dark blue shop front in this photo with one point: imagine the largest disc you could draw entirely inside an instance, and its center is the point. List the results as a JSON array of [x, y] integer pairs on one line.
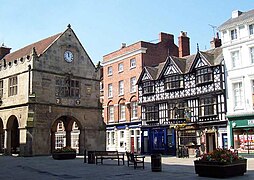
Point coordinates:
[[158, 140]]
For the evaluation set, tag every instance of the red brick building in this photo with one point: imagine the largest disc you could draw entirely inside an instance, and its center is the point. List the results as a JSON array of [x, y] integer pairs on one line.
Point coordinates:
[[121, 70]]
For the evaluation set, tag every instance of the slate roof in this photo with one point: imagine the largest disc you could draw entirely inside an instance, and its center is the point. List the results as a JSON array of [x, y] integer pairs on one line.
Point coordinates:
[[243, 18], [40, 47], [185, 64]]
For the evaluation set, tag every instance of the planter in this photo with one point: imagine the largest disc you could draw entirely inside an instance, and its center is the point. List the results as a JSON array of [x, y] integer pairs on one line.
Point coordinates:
[[220, 170], [64, 155]]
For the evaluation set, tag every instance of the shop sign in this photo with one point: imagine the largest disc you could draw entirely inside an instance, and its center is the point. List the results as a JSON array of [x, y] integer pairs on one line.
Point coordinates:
[[250, 122]]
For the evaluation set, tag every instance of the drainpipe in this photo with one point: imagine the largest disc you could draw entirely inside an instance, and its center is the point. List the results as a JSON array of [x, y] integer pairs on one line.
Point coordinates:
[[29, 79]]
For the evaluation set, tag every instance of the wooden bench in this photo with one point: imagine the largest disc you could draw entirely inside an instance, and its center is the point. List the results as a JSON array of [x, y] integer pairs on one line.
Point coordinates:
[[101, 155], [135, 160]]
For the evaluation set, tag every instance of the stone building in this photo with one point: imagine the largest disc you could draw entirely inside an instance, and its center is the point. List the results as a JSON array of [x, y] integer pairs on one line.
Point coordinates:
[[49, 94]]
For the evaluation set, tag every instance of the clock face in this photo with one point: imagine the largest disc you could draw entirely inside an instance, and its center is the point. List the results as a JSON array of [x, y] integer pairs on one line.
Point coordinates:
[[68, 56]]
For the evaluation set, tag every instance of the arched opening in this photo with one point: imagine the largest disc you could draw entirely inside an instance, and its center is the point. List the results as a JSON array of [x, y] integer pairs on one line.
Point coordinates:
[[13, 143], [65, 131], [1, 136]]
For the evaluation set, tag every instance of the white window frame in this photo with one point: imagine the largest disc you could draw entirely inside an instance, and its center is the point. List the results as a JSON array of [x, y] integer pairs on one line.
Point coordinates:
[[120, 67], [235, 58], [110, 71], [238, 95], [251, 29], [134, 110], [110, 90], [233, 34], [121, 88], [132, 63], [133, 82], [252, 54], [122, 114], [111, 113], [252, 84]]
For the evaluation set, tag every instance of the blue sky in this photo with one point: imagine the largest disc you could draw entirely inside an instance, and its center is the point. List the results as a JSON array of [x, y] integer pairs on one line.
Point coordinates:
[[102, 25]]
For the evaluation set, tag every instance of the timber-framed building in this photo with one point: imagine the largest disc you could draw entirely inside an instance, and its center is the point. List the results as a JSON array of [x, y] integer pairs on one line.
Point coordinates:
[[183, 103]]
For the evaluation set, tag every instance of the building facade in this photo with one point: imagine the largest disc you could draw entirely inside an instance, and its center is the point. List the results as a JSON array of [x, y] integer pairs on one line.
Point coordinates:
[[183, 104], [238, 48], [121, 70], [49, 98]]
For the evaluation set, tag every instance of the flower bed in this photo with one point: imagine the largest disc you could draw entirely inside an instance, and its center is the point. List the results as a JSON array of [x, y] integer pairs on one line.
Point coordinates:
[[221, 164], [64, 153]]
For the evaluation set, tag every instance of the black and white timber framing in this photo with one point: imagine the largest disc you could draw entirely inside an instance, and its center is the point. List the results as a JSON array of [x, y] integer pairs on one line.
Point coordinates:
[[185, 94]]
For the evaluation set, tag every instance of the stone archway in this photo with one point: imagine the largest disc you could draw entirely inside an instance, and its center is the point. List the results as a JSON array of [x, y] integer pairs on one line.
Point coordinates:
[[13, 134], [1, 136], [65, 131]]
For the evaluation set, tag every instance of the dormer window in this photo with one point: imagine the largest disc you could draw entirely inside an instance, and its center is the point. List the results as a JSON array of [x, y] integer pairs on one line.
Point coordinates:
[[204, 75], [148, 87], [173, 82]]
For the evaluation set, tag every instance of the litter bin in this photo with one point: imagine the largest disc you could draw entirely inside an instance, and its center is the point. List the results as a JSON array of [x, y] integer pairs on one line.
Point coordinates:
[[91, 157], [156, 162]]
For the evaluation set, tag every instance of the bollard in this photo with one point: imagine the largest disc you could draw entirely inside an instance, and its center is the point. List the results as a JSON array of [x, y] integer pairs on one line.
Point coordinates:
[[85, 156]]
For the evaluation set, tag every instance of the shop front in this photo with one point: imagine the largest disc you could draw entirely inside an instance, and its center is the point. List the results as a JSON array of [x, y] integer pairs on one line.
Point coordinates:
[[242, 133], [160, 140]]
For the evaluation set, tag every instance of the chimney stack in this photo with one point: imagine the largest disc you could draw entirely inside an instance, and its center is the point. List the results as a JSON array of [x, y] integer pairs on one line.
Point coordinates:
[[184, 44], [4, 51], [166, 38], [216, 42], [123, 45], [236, 14]]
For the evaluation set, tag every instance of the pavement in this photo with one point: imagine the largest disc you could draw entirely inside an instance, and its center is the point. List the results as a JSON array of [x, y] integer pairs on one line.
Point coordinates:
[[44, 167]]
